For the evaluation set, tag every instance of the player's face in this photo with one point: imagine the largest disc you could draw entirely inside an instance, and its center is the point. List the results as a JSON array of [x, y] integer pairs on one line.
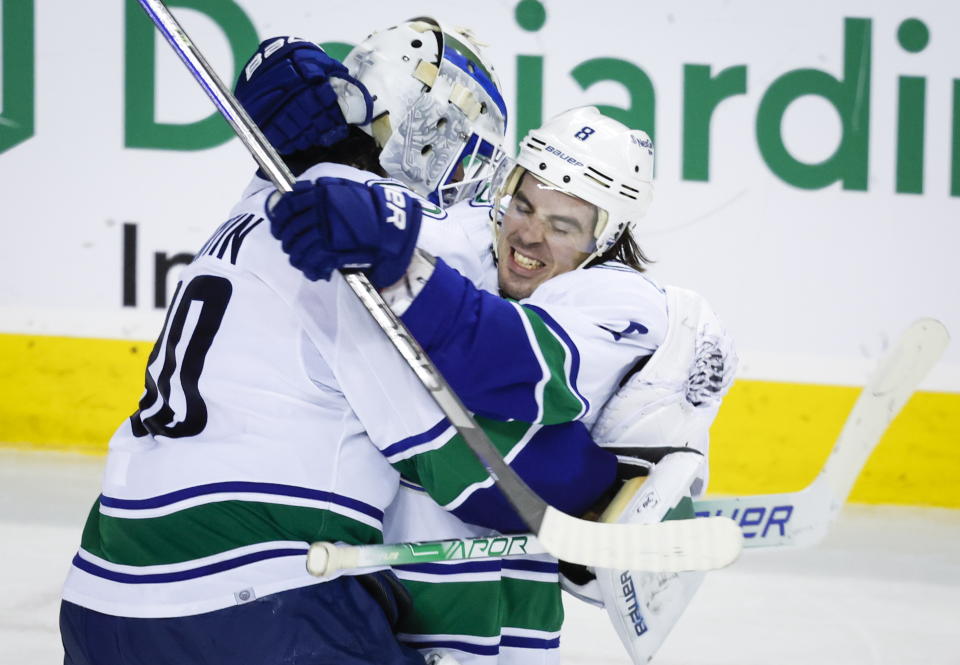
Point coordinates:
[[544, 233]]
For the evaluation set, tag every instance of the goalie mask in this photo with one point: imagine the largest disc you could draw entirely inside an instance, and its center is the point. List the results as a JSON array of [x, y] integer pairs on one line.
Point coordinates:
[[439, 117], [588, 156]]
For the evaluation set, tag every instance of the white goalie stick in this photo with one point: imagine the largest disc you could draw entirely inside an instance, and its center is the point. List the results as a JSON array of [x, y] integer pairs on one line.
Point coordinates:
[[767, 520], [804, 517], [699, 544]]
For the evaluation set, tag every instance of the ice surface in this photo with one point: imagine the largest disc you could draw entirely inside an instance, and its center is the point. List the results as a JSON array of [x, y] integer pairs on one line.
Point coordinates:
[[883, 588]]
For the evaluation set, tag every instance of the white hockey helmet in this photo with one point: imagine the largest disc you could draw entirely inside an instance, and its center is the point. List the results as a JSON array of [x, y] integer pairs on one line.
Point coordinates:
[[437, 106], [585, 154]]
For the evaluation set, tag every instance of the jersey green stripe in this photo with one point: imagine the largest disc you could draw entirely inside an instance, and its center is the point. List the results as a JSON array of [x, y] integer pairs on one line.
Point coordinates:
[[453, 608], [532, 605], [479, 609], [560, 403], [446, 471], [208, 529]]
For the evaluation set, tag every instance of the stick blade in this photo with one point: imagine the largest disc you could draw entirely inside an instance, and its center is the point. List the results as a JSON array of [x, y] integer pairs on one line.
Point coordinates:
[[670, 547]]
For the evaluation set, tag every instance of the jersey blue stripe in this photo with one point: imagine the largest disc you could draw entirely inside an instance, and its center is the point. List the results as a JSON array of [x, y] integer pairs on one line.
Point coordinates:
[[531, 565], [529, 642], [179, 576], [467, 647], [574, 353], [241, 486], [416, 439], [492, 566]]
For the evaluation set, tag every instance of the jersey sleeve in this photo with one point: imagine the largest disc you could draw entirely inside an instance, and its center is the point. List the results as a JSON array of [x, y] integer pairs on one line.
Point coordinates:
[[561, 463], [552, 358]]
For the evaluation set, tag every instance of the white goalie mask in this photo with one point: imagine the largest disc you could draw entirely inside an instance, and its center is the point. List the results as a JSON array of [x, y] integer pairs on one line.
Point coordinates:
[[437, 106], [585, 154]]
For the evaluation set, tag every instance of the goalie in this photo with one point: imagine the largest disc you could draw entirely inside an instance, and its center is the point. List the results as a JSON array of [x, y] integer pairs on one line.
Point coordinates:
[[658, 423]]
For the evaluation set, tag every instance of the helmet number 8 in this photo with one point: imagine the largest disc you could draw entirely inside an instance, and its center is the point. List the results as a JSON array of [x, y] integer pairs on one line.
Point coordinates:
[[584, 133]]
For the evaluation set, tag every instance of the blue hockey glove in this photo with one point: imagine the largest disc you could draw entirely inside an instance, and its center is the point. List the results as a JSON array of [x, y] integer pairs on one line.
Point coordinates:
[[335, 223], [285, 87]]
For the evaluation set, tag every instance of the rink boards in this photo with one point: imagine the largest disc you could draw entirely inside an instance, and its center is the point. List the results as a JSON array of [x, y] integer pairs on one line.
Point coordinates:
[[63, 393]]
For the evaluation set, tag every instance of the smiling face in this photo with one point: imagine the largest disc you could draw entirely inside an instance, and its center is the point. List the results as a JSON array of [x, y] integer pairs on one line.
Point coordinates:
[[544, 233]]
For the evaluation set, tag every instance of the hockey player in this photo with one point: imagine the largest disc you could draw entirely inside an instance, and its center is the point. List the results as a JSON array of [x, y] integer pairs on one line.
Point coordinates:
[[244, 448]]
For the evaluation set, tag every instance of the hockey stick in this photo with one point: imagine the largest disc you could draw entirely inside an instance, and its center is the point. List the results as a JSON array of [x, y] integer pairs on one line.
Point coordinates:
[[767, 520], [701, 544], [804, 517]]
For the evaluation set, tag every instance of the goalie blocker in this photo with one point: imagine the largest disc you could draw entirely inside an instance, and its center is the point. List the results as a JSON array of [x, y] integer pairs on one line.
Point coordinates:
[[644, 606]]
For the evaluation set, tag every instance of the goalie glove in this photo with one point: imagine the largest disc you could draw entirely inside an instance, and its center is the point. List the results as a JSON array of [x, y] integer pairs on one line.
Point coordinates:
[[671, 400]]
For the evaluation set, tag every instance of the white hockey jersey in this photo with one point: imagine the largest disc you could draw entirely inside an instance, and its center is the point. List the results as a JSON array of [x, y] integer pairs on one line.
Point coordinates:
[[247, 445]]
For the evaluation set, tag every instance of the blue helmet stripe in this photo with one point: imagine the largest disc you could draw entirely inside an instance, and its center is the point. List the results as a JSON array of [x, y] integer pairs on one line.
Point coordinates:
[[477, 72]]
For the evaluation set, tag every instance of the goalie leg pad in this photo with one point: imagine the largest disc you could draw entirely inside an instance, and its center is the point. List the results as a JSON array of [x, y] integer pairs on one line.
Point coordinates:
[[644, 607]]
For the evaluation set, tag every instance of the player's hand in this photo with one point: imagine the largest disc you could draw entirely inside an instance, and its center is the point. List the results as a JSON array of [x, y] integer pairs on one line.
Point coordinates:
[[334, 223], [285, 87]]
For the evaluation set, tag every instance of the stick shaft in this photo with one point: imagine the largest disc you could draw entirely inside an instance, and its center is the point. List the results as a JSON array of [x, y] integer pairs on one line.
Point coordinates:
[[325, 559], [673, 546]]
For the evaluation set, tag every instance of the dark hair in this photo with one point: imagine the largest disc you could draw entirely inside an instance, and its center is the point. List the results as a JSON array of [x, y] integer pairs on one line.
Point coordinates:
[[358, 150], [626, 251]]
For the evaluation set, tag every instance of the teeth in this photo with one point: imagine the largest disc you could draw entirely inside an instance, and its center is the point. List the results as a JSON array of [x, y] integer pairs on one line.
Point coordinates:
[[526, 261]]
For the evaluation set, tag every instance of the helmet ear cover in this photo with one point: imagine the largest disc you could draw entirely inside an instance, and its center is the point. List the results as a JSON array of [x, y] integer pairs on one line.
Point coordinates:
[[381, 129]]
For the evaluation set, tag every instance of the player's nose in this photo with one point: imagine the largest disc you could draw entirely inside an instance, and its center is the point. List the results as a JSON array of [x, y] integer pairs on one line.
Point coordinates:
[[531, 230]]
